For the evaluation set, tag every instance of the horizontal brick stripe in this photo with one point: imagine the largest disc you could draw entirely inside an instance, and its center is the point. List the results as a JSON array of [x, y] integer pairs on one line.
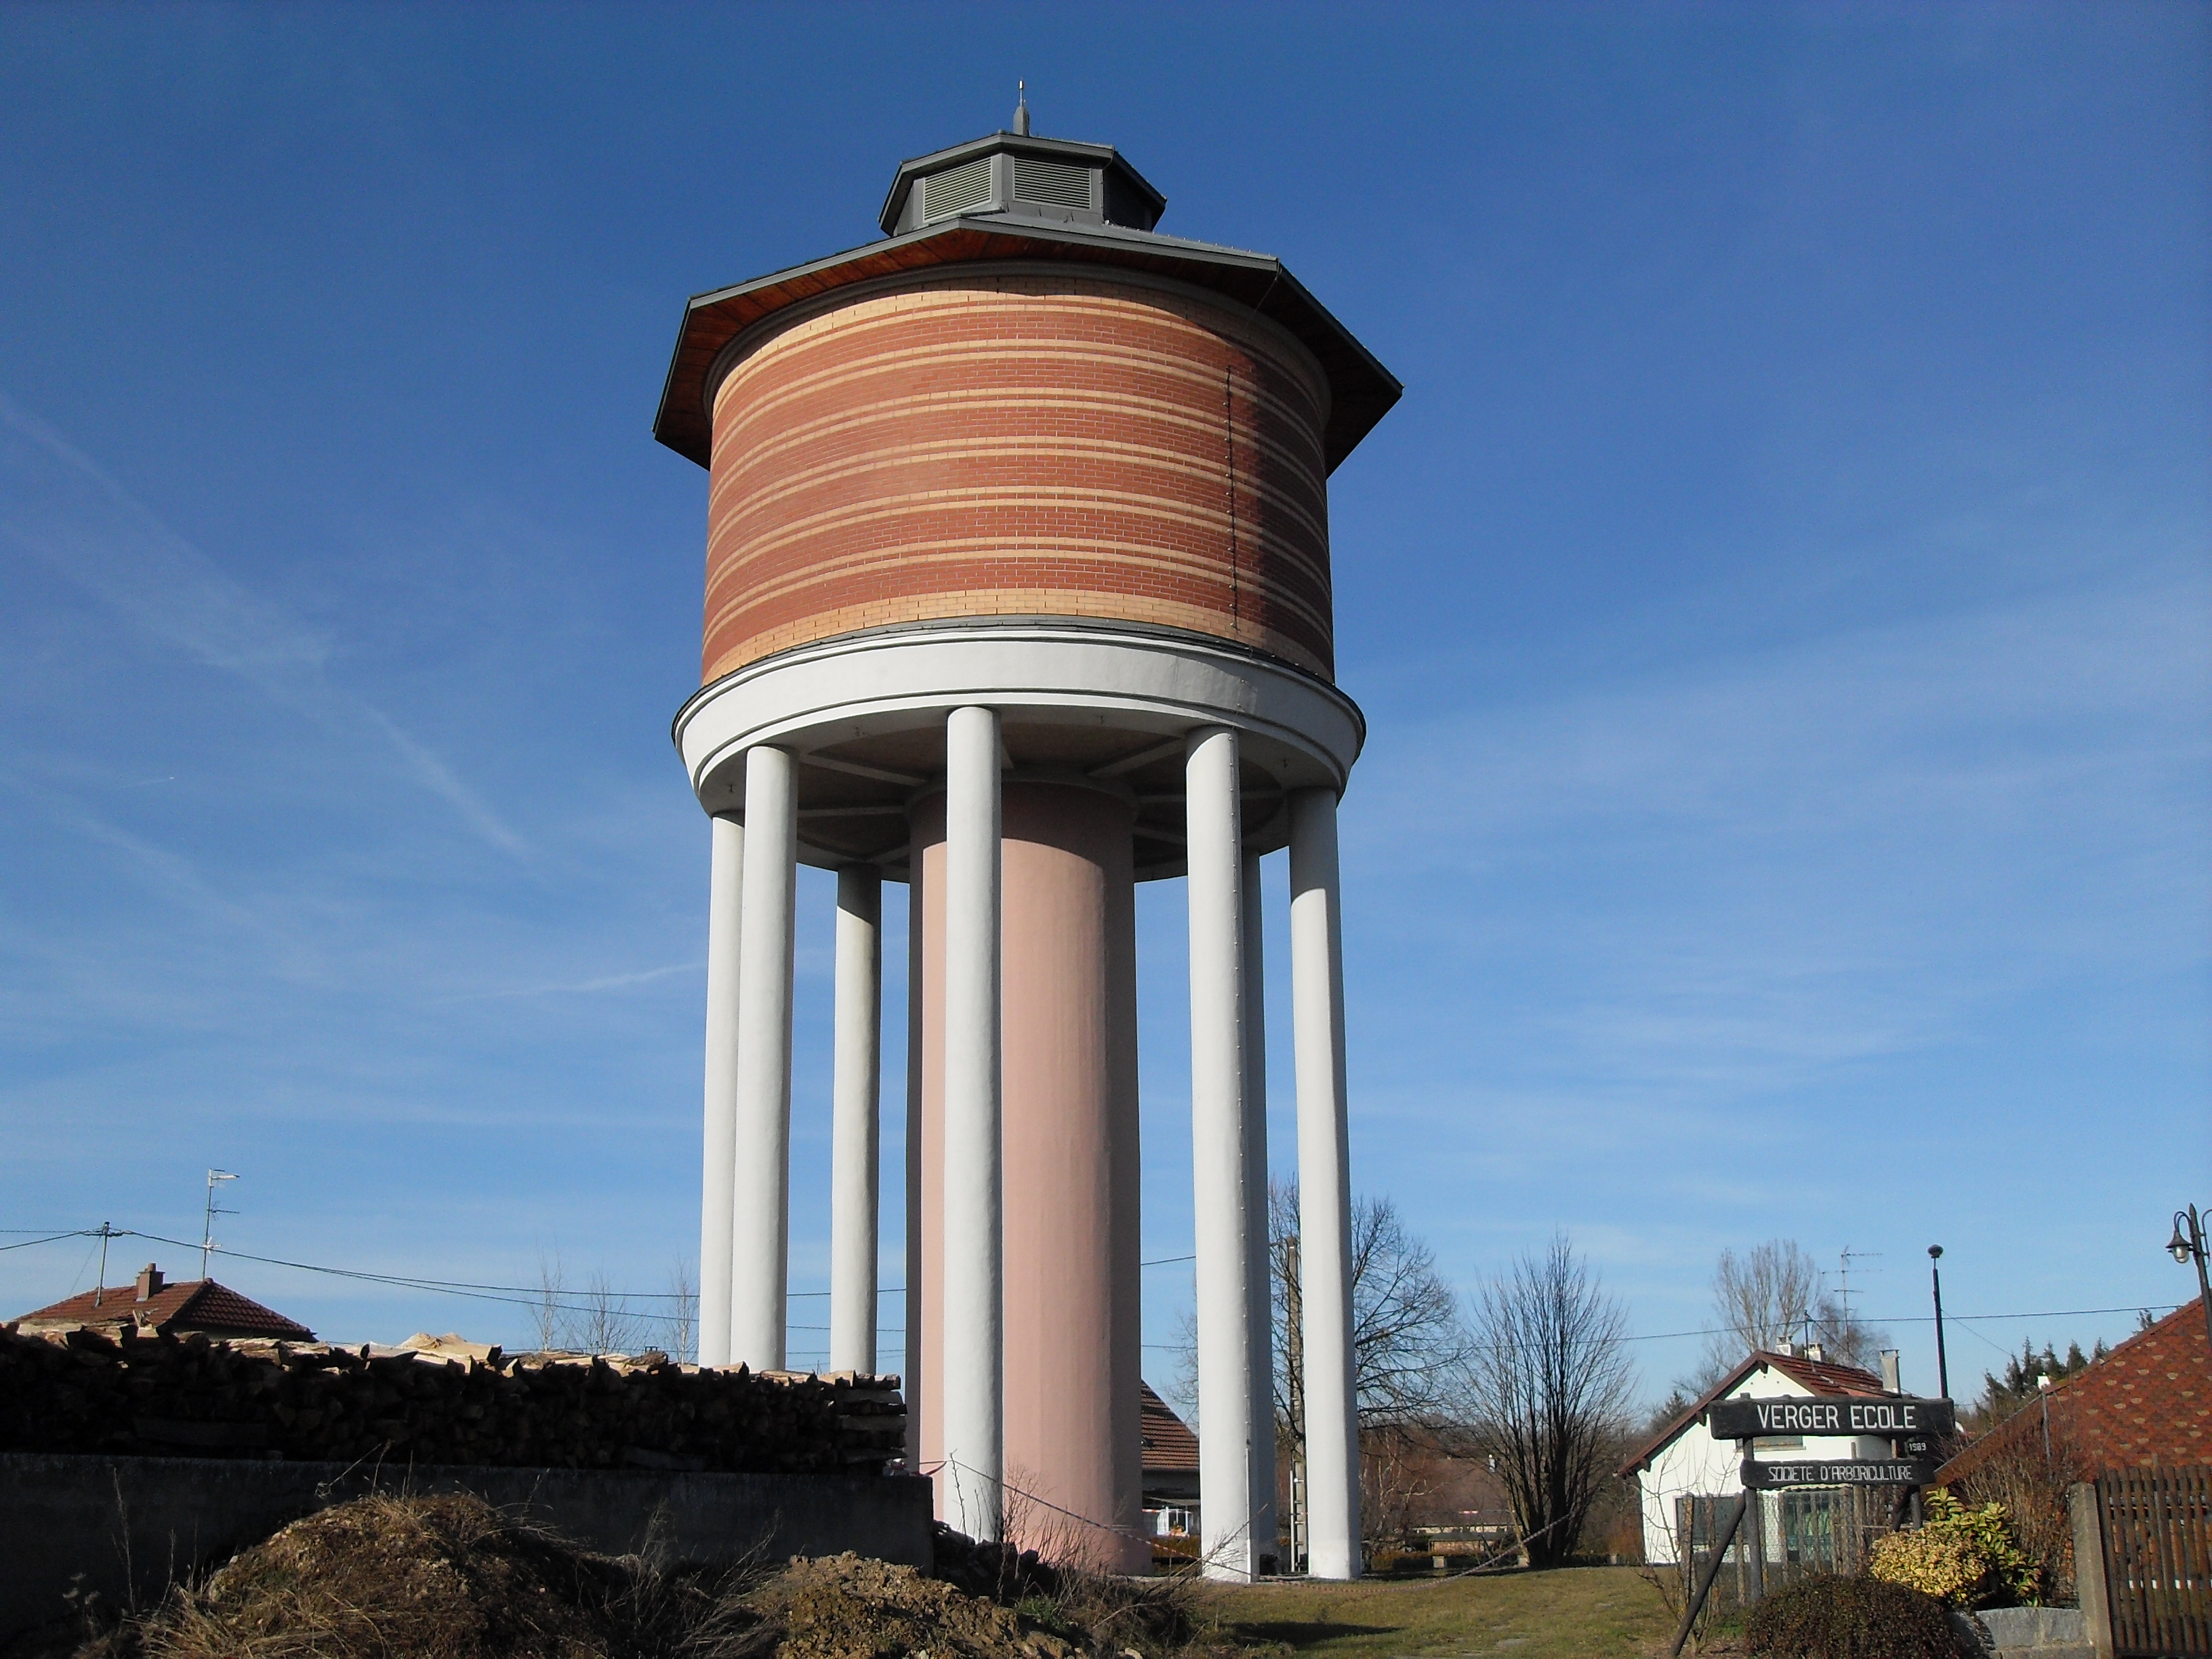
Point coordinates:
[[963, 409], [981, 428], [1052, 463], [1171, 384], [1171, 329], [1031, 565], [748, 562], [991, 565], [1062, 445], [1302, 593]]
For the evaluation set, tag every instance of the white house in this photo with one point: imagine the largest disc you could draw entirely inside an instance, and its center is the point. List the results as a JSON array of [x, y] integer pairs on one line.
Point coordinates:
[[1688, 1480]]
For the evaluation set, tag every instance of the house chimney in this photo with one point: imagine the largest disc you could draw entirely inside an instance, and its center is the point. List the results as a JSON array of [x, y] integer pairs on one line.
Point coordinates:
[[1890, 1384], [1812, 1351], [149, 1282], [1785, 1347]]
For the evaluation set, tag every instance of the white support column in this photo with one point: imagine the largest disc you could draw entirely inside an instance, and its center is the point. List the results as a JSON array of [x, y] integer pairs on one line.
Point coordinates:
[[911, 1369], [718, 1172], [760, 1237], [973, 1368], [853, 1135], [1220, 1149], [1324, 1190], [1260, 1271]]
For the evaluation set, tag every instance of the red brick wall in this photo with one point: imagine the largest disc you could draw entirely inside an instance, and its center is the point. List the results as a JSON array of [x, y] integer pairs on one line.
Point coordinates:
[[2148, 1401], [1052, 445]]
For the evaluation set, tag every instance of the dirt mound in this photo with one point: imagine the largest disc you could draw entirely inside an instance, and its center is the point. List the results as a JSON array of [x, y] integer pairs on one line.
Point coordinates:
[[452, 1578], [432, 1579], [847, 1606]]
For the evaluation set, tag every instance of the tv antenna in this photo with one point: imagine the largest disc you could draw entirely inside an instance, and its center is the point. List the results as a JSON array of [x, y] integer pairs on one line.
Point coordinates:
[[1847, 1255], [207, 1229]]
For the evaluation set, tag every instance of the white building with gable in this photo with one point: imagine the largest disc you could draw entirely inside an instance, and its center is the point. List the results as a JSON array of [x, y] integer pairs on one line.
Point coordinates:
[[1687, 1479]]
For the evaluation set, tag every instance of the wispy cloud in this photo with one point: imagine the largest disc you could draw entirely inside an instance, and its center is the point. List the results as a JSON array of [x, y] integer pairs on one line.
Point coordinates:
[[61, 508], [1741, 877], [587, 987]]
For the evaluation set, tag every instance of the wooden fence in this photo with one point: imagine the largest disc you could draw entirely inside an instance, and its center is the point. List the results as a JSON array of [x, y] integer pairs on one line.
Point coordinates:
[[1798, 1533], [2157, 1534]]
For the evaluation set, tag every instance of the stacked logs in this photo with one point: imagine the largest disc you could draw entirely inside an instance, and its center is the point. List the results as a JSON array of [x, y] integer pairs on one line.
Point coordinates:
[[146, 1394]]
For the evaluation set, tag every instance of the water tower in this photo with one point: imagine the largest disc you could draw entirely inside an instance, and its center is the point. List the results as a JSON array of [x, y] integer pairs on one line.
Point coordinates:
[[1018, 592]]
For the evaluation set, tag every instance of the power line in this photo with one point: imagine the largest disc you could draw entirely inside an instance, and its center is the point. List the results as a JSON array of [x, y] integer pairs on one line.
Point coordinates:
[[535, 1296], [412, 1282]]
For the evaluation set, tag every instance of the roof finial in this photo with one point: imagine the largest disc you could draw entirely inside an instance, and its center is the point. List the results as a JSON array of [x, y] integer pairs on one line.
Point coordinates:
[[1022, 109]]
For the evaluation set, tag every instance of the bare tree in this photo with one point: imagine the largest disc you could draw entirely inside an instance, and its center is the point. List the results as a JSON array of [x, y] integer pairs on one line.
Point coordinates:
[[1406, 1340], [547, 1314], [1405, 1333], [683, 1311], [1776, 1293], [1547, 1390], [1398, 1466], [602, 1323]]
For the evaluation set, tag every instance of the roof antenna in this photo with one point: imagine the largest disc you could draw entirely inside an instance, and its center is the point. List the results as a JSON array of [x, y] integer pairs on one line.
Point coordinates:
[[1022, 109]]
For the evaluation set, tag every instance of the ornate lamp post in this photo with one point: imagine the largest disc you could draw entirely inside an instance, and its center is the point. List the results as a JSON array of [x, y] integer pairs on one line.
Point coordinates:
[[2187, 1245]]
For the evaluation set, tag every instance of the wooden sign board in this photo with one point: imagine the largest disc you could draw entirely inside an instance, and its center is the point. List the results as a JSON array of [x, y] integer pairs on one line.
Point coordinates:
[[1891, 1417], [1761, 1476]]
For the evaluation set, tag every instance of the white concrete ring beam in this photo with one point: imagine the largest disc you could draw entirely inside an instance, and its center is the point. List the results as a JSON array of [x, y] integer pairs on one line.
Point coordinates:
[[1295, 730]]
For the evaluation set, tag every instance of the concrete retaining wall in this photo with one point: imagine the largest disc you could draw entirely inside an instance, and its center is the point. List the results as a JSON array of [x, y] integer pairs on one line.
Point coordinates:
[[126, 1527], [2042, 1632]]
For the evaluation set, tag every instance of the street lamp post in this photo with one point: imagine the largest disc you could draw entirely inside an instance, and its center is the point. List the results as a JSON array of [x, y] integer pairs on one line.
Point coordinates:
[[2186, 1245], [1942, 1366]]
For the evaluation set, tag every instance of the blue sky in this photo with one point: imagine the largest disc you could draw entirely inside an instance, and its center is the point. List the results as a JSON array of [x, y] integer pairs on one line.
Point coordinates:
[[1780, 602]]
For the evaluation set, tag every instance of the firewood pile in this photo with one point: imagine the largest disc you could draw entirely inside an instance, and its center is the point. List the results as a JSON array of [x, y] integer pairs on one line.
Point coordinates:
[[146, 1394]]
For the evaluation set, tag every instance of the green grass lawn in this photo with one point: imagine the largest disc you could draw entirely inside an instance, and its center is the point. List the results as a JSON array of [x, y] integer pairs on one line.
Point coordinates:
[[1574, 1612]]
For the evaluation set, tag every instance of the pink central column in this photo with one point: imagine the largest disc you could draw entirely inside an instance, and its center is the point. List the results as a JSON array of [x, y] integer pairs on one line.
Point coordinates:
[[1069, 1127]]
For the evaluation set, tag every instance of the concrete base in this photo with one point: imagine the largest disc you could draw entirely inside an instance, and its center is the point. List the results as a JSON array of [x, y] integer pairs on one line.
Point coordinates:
[[125, 1527], [2029, 1632]]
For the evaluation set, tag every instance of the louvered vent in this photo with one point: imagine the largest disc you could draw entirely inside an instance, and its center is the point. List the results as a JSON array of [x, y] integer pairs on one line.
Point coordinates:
[[1053, 184], [958, 190]]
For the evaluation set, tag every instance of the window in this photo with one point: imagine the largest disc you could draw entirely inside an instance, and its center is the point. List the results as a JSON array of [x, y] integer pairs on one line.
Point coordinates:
[[1698, 1523], [1808, 1527]]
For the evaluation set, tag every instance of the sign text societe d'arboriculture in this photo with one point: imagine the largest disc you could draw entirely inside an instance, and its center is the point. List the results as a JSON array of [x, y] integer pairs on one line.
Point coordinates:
[[1888, 1418], [1849, 1472]]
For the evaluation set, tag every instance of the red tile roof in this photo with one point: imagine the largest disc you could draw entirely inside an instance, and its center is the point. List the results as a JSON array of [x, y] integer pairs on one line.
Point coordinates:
[[2149, 1400], [1168, 1443], [1820, 1377], [196, 1304], [1825, 1376]]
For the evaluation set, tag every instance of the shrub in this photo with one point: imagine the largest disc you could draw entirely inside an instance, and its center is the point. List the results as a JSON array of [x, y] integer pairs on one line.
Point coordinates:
[[1966, 1557], [1829, 1616], [2031, 1483]]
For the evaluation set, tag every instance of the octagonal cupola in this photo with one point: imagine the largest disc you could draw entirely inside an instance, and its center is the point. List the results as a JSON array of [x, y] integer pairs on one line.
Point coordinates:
[[1013, 175]]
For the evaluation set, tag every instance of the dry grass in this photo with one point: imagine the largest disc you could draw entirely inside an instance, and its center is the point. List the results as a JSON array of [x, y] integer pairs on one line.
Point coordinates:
[[1570, 1612], [1105, 1616]]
